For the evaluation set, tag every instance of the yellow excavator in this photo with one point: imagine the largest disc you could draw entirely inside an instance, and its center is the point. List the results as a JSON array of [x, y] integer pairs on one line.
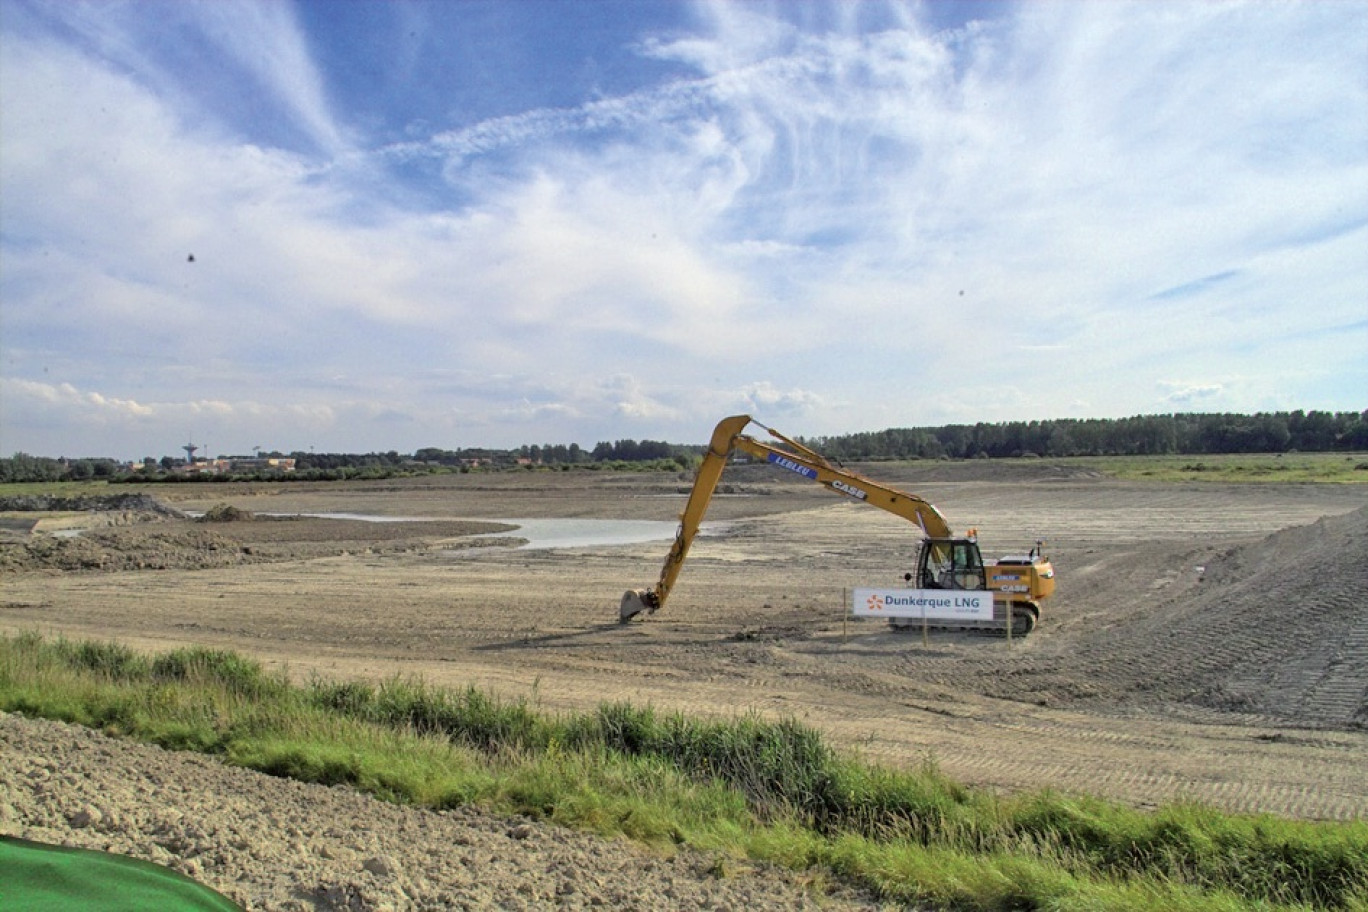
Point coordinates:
[[944, 561]]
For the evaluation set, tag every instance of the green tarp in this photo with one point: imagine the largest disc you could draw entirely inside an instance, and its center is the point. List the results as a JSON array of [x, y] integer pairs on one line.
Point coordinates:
[[46, 878]]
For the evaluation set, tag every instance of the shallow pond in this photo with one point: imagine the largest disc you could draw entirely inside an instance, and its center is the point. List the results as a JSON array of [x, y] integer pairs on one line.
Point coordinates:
[[542, 534]]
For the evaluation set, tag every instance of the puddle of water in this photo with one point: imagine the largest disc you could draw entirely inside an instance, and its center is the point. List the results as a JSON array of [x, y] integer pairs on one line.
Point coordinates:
[[586, 533], [540, 534], [545, 534], [360, 517]]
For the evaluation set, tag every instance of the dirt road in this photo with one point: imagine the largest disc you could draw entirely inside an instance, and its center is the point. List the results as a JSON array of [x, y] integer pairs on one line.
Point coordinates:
[[1207, 641]]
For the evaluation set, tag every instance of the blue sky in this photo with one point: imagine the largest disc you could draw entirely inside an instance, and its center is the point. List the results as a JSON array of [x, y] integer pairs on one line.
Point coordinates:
[[488, 224]]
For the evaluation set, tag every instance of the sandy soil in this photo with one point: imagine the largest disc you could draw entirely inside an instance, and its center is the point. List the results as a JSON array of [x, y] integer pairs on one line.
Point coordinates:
[[1206, 641], [276, 844]]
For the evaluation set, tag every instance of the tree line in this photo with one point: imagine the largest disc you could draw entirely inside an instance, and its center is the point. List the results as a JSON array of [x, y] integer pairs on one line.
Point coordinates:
[[1142, 435], [23, 467], [1182, 434]]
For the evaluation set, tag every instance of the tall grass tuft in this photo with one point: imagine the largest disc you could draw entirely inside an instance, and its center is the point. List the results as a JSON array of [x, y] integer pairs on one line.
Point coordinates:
[[110, 660], [469, 717], [1277, 860], [239, 675], [780, 766]]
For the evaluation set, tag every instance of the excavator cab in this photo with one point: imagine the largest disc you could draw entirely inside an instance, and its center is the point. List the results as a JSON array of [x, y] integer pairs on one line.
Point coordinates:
[[949, 563], [1018, 583]]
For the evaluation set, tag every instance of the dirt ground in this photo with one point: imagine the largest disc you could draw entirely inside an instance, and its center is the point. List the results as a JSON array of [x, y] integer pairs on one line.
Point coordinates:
[[275, 844], [1206, 641]]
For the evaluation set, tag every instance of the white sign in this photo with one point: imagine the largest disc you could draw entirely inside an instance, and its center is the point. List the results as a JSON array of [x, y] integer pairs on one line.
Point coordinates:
[[937, 604]]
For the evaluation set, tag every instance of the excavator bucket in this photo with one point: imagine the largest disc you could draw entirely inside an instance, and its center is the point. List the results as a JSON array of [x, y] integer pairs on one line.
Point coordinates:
[[633, 603]]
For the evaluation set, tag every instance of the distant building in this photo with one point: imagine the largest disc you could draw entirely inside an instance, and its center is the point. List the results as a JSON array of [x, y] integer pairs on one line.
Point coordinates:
[[203, 467], [234, 465], [261, 464]]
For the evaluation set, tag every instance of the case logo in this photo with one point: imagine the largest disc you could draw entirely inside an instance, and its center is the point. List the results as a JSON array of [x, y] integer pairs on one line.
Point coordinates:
[[849, 490]]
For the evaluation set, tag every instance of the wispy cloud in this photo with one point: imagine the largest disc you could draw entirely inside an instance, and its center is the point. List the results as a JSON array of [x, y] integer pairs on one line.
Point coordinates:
[[265, 39], [1182, 395], [216, 65], [1205, 283]]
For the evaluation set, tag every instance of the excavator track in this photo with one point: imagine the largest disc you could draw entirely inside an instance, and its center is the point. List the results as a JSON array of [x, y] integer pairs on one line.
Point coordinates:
[[1025, 616]]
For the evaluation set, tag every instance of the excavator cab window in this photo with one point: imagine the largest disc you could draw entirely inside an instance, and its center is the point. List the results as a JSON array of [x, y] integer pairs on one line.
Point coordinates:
[[933, 565], [955, 564], [968, 566]]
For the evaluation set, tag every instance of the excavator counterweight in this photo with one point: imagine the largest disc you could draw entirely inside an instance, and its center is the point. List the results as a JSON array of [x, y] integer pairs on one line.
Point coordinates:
[[944, 560]]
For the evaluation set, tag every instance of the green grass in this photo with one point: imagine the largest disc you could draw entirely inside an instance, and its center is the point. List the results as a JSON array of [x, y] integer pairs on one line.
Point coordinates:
[[1331, 468], [744, 789], [55, 488]]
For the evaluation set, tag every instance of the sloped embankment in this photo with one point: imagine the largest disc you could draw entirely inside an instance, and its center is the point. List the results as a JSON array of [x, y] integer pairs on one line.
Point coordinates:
[[1278, 628], [277, 844], [104, 503]]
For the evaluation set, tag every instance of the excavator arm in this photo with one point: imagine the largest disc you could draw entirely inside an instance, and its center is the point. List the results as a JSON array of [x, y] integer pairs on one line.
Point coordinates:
[[727, 438]]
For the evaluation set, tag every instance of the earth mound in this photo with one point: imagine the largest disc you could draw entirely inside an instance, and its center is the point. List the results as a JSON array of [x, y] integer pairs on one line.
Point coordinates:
[[224, 513], [1278, 628], [91, 503], [233, 537], [119, 550]]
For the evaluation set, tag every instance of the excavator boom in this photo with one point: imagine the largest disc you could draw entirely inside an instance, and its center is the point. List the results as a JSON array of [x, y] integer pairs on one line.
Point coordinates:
[[635, 601]]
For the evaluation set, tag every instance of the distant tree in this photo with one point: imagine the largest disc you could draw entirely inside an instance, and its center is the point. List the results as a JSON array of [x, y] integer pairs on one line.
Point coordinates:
[[433, 454], [21, 467], [1355, 432]]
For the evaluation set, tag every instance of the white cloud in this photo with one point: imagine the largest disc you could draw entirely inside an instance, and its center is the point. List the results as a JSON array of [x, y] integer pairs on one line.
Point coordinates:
[[63, 395], [1186, 394], [764, 398]]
